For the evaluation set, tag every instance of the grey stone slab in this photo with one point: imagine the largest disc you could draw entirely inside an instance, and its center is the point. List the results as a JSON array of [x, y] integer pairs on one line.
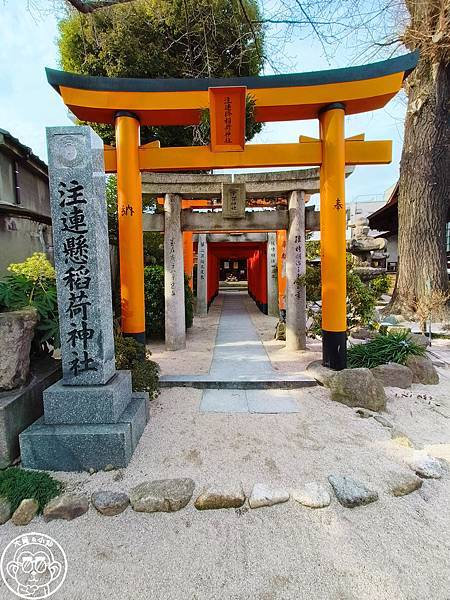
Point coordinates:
[[224, 401], [75, 404], [175, 324], [271, 402], [288, 382], [21, 407], [137, 414], [82, 447], [81, 252], [202, 276]]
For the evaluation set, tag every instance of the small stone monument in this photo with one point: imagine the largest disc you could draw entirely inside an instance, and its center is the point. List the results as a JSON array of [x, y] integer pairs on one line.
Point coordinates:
[[233, 200], [91, 417], [363, 247]]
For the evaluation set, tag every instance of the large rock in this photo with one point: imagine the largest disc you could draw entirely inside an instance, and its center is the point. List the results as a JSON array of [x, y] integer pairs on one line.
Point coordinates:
[[362, 333], [16, 334], [320, 373], [67, 507], [162, 495], [312, 495], [351, 493], [357, 387], [110, 503], [25, 512], [230, 496], [423, 370], [426, 466], [420, 339], [263, 495], [5, 510], [394, 375]]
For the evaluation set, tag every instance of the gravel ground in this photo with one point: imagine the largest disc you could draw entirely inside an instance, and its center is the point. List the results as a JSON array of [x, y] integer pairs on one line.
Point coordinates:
[[395, 548]]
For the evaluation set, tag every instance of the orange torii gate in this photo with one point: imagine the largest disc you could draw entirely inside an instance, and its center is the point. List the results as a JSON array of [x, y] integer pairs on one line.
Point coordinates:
[[325, 95]]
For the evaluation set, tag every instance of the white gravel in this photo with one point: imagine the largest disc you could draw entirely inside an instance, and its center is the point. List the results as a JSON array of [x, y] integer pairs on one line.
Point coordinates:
[[394, 548]]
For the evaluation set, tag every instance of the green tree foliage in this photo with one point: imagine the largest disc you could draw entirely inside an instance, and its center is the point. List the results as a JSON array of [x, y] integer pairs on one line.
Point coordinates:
[[154, 301], [165, 38]]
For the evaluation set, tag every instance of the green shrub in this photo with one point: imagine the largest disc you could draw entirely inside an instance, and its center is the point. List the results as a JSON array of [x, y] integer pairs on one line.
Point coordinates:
[[132, 356], [384, 348], [17, 485], [32, 283], [154, 301], [361, 299], [380, 285]]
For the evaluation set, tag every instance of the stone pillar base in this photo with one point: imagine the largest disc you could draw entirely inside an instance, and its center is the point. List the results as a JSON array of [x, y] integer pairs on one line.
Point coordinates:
[[80, 447]]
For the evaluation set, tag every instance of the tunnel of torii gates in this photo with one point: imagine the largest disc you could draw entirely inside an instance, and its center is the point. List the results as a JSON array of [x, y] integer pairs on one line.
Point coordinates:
[[324, 95]]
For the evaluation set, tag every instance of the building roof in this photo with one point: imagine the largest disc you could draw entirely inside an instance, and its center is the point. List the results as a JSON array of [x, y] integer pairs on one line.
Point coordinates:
[[15, 148]]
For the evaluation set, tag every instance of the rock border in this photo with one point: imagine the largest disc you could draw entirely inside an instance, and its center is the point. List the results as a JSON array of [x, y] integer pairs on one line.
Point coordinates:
[[349, 492]]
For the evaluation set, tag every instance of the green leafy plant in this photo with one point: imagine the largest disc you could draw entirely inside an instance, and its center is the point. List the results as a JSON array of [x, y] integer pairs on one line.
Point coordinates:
[[18, 484], [384, 348], [380, 285], [361, 297], [32, 283], [154, 301], [133, 356]]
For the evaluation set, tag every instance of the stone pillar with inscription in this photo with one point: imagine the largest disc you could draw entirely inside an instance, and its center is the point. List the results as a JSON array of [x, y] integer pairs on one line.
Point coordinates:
[[175, 329], [91, 417], [272, 275], [202, 275], [296, 266]]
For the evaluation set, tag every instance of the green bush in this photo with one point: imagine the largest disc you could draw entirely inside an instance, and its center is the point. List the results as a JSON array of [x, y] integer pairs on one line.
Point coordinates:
[[361, 299], [154, 301], [384, 348], [132, 356], [380, 285], [17, 485], [32, 283]]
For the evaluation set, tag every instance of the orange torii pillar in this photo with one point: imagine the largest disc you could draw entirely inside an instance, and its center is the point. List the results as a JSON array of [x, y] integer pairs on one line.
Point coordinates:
[[281, 260], [332, 237], [129, 211]]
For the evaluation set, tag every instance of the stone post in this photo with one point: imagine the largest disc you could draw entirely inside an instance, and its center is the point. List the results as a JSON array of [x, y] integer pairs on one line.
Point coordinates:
[[272, 275], [91, 418], [202, 275], [295, 266], [174, 274]]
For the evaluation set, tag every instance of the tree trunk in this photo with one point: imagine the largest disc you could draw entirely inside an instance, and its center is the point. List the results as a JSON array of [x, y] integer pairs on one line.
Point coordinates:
[[424, 188]]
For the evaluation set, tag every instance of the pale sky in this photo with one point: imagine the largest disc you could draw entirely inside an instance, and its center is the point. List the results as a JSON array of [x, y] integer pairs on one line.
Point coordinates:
[[28, 104]]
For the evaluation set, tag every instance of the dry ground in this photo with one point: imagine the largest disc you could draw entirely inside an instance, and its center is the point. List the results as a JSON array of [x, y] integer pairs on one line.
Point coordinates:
[[393, 549]]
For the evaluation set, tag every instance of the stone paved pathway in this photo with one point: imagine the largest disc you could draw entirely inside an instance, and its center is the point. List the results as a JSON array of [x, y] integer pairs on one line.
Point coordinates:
[[240, 355]]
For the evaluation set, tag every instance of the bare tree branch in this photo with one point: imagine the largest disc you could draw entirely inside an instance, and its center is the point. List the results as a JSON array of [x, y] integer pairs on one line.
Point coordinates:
[[90, 6]]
